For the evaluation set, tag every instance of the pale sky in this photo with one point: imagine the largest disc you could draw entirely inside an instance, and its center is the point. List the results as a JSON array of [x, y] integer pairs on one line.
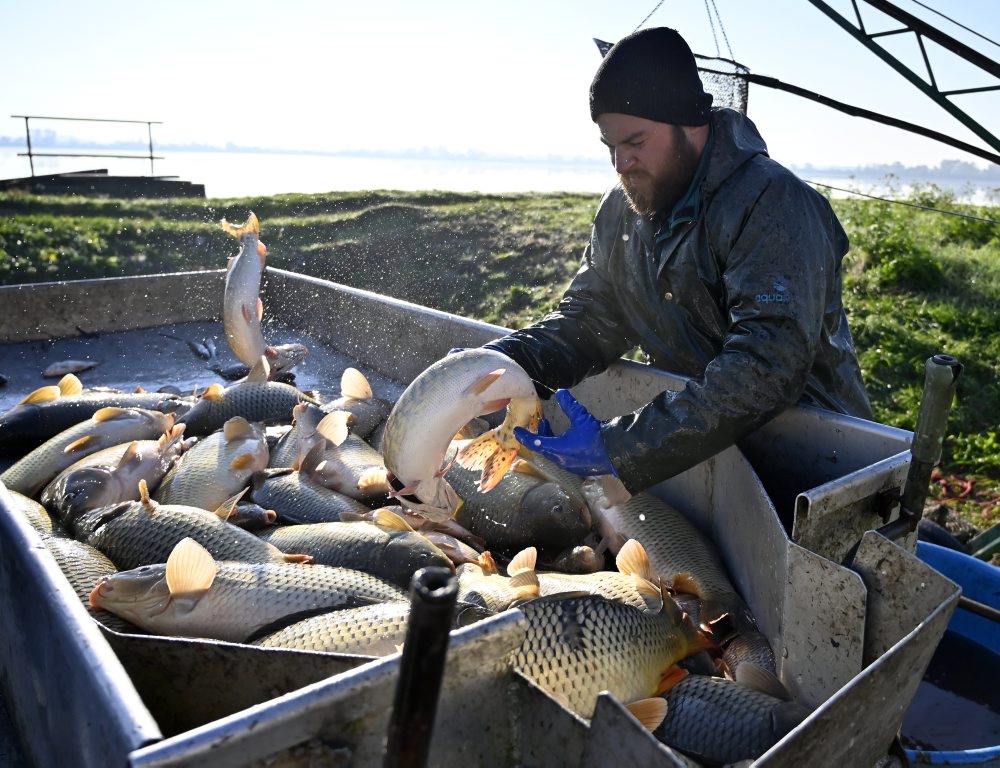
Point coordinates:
[[506, 77]]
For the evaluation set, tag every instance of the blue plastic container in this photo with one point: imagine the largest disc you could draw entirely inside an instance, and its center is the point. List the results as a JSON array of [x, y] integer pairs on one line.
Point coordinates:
[[967, 631]]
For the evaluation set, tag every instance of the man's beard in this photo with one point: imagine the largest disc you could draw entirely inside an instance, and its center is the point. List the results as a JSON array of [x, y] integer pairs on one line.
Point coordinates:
[[658, 190]]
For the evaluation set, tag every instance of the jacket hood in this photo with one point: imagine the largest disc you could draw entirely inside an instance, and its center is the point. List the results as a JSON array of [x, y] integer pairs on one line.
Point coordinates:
[[736, 141]]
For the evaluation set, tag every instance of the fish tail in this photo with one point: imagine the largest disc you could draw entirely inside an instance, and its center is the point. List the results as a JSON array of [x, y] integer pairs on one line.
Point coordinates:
[[252, 225]]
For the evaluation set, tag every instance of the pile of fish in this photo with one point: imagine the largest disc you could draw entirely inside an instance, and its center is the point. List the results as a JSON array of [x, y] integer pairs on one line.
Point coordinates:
[[258, 513]]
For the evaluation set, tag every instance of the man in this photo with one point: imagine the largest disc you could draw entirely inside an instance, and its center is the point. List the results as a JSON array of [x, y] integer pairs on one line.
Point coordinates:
[[719, 263]]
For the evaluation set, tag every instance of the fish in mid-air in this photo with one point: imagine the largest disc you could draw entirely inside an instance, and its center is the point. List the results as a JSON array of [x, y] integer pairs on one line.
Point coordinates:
[[242, 308]]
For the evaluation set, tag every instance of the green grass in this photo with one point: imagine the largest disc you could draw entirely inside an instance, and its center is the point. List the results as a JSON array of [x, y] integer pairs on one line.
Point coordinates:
[[917, 283]]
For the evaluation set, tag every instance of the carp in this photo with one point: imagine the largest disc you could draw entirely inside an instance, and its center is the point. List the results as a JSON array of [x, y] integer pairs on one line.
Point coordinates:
[[217, 467], [297, 498], [107, 427], [392, 551], [435, 406], [113, 474], [193, 595], [357, 398]]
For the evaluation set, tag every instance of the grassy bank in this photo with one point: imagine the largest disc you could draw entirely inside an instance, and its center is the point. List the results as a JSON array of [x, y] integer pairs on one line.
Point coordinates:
[[917, 283]]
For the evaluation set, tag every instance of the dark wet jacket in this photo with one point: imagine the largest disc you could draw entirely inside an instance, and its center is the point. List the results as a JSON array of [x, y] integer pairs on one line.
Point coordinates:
[[739, 289]]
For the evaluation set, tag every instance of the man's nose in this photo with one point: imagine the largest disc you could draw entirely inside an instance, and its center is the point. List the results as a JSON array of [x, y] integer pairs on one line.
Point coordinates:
[[622, 158]]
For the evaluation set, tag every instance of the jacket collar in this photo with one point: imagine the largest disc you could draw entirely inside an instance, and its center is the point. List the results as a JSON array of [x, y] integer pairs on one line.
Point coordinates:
[[732, 141]]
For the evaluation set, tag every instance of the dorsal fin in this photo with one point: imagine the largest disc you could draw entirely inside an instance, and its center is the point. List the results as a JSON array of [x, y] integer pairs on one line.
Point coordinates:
[[760, 679], [42, 395], [487, 563], [144, 494], [131, 454], [226, 509], [633, 560], [354, 385], [190, 568], [70, 385], [333, 426], [106, 414], [389, 520], [523, 561]]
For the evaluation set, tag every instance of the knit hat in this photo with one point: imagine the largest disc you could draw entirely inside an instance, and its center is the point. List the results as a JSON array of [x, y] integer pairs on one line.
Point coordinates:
[[651, 74]]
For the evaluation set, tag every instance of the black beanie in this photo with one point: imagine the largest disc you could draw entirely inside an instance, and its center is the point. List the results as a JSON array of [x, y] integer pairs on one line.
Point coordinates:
[[651, 74]]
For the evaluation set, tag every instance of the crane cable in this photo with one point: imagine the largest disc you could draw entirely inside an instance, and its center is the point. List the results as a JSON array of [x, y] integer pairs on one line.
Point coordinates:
[[957, 24], [904, 202]]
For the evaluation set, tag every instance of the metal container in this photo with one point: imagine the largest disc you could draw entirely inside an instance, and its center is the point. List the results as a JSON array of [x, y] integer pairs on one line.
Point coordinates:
[[786, 508]]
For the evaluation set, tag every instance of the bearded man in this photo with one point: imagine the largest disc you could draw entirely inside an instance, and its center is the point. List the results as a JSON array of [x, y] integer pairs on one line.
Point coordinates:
[[720, 264]]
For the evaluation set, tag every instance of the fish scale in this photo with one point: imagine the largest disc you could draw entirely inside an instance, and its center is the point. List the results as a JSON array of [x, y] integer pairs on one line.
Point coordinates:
[[391, 555], [576, 647], [268, 402], [371, 630], [133, 534], [299, 499], [721, 721], [674, 546], [243, 599]]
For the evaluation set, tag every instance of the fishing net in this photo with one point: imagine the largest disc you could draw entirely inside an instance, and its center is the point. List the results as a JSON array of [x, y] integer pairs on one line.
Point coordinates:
[[725, 80]]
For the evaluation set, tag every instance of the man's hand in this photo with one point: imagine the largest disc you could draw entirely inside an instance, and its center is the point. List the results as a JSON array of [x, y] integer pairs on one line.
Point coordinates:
[[580, 449]]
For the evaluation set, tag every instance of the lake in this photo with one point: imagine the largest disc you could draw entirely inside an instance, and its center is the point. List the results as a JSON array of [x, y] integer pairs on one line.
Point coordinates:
[[243, 174]]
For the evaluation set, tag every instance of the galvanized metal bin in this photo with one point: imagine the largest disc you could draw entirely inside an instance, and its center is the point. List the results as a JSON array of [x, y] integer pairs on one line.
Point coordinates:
[[852, 640]]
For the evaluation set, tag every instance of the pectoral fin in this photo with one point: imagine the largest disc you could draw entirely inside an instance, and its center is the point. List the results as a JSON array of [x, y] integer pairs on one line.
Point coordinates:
[[191, 569]]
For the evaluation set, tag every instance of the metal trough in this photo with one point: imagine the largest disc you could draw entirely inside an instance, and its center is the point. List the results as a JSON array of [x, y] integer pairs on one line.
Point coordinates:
[[852, 641]]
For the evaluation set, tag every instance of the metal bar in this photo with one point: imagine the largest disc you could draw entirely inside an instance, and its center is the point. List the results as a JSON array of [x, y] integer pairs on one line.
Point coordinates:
[[89, 119], [149, 129], [906, 72], [27, 130], [75, 154], [849, 109], [927, 63], [933, 33], [980, 609], [942, 373], [433, 593], [971, 90]]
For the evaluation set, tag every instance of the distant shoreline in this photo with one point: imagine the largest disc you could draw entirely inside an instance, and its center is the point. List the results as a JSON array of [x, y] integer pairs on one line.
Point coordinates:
[[950, 171]]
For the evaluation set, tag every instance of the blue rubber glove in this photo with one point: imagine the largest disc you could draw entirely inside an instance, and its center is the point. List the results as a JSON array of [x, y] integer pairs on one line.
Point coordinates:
[[580, 449]]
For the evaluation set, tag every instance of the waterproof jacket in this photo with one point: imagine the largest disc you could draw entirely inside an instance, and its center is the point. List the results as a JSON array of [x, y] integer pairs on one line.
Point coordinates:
[[740, 292]]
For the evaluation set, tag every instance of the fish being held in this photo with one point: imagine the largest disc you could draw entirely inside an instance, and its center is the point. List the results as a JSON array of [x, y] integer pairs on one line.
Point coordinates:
[[435, 406]]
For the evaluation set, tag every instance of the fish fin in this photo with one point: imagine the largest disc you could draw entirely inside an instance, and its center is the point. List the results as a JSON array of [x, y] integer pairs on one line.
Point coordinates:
[[144, 492], [252, 225], [191, 568], [632, 559], [334, 427], [305, 559], [70, 385], [374, 480], [722, 628], [132, 454], [353, 384], [261, 370], [247, 313], [213, 392], [311, 461], [42, 395], [524, 467], [260, 308], [494, 405], [483, 383], [686, 582], [262, 252], [525, 560], [475, 453], [495, 468], [107, 414], [236, 428], [241, 462], [227, 508], [487, 563], [525, 586], [171, 436], [79, 445], [670, 678], [649, 592], [760, 679], [387, 519], [649, 712]]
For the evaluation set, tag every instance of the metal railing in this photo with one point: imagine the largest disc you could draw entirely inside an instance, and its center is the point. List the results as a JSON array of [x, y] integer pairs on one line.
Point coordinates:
[[31, 155]]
